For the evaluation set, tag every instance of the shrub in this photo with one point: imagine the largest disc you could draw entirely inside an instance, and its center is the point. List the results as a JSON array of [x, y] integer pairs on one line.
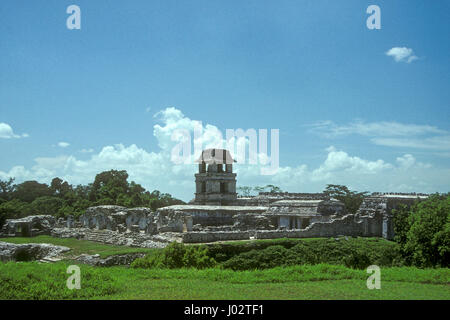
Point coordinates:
[[173, 255], [197, 257], [176, 255], [357, 260], [425, 237], [355, 253], [153, 260]]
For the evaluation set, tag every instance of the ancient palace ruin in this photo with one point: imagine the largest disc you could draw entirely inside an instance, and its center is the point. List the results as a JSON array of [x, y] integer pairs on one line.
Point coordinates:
[[218, 214]]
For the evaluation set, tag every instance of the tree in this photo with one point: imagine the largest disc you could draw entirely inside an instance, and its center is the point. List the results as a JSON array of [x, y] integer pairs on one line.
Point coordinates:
[[108, 185], [401, 223], [30, 190], [6, 189], [47, 205], [62, 199], [273, 189], [15, 208], [3, 217], [352, 200], [245, 190], [429, 235], [259, 189], [58, 187], [270, 187]]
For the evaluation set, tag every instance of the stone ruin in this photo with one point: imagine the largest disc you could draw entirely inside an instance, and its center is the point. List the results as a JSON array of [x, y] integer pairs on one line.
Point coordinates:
[[142, 227], [217, 214], [30, 251], [29, 226]]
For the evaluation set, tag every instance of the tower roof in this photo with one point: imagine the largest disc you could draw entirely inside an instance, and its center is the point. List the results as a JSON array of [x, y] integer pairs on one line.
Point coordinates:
[[215, 156]]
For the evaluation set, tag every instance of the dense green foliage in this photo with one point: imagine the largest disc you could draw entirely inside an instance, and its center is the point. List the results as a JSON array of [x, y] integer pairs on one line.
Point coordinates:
[[61, 199], [423, 231], [3, 216], [351, 199], [31, 280], [176, 255], [355, 253]]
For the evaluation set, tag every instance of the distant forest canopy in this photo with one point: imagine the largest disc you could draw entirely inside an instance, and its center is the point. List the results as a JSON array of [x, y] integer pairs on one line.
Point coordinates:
[[61, 199]]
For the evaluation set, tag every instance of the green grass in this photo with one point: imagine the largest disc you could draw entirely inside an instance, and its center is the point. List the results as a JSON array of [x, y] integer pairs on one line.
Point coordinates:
[[32, 280], [330, 280], [78, 246]]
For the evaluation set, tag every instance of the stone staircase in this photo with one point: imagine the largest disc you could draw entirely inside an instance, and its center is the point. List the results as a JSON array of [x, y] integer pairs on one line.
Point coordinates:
[[100, 236]]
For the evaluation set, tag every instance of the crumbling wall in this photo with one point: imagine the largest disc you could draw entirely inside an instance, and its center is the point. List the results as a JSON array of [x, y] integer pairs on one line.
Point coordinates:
[[244, 222], [349, 225], [212, 215], [116, 218], [173, 221], [142, 219], [29, 226], [266, 198], [202, 236]]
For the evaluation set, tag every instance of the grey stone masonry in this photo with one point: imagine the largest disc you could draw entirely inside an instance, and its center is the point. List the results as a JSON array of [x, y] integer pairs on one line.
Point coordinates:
[[215, 182]]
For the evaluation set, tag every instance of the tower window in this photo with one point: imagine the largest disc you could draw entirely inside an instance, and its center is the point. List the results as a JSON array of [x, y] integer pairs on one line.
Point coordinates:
[[223, 187]]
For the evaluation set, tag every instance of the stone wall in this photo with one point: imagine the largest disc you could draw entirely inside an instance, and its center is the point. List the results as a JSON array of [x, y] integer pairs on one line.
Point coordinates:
[[28, 227], [117, 218], [121, 219], [349, 225], [266, 198], [202, 236], [212, 215]]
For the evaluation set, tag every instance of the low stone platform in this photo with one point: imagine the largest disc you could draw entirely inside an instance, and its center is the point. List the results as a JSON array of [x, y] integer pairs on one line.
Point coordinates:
[[131, 239], [31, 251]]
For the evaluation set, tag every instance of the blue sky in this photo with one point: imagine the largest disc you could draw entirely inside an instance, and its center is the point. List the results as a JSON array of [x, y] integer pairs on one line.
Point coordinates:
[[75, 102]]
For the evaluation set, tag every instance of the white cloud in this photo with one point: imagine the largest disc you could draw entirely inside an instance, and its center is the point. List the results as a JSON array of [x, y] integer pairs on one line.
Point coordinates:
[[402, 54], [63, 144], [330, 129], [338, 161], [90, 150], [6, 132], [434, 143], [408, 161], [390, 134], [155, 170]]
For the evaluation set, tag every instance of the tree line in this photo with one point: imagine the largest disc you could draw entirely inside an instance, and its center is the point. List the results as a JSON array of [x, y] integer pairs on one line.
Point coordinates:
[[61, 199]]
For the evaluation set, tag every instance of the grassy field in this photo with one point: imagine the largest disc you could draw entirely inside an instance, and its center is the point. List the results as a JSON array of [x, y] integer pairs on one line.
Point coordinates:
[[32, 280], [78, 246], [330, 280]]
